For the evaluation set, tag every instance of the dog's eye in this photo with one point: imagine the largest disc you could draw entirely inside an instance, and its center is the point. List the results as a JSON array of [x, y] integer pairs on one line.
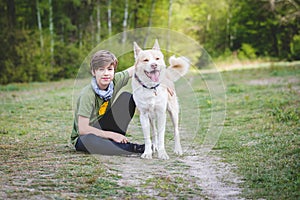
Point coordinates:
[[146, 60], [157, 58]]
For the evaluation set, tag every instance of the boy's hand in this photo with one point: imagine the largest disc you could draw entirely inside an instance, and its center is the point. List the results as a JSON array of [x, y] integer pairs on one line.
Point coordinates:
[[119, 138]]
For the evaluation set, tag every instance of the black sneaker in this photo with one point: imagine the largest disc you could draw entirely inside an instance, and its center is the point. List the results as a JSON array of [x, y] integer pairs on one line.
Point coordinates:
[[138, 148]]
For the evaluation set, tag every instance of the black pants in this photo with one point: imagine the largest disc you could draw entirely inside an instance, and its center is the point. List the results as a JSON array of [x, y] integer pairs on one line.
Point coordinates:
[[116, 119]]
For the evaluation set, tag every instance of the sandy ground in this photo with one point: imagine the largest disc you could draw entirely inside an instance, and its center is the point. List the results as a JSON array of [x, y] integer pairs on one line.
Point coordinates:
[[202, 177]]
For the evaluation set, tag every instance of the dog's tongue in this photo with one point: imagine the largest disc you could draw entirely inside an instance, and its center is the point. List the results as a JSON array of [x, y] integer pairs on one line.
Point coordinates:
[[154, 76]]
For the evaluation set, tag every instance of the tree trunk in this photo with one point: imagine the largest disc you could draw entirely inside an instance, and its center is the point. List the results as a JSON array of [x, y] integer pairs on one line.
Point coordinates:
[[169, 23], [98, 36], [151, 13], [11, 14], [80, 36], [109, 17], [62, 38], [51, 32], [92, 31], [228, 36], [38, 13], [135, 14], [124, 35], [149, 22]]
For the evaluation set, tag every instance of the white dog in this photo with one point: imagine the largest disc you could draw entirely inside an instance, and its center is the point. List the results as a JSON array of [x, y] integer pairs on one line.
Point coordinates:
[[154, 94]]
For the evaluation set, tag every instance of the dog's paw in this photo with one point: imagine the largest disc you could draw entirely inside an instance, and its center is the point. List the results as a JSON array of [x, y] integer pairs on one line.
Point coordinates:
[[162, 154], [178, 152], [154, 147], [146, 155]]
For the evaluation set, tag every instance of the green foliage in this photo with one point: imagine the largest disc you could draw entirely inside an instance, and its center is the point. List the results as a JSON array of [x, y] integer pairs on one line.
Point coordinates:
[[67, 61], [268, 28], [125, 61], [247, 51], [23, 64], [295, 47], [31, 63], [254, 29]]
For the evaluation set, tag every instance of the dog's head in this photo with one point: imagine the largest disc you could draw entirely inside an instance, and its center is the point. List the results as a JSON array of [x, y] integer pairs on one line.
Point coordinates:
[[149, 64]]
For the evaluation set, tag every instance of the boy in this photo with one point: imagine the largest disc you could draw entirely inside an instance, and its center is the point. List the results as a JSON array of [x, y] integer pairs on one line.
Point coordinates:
[[100, 126]]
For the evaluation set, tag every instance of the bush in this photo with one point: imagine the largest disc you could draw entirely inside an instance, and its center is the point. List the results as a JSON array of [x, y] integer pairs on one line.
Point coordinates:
[[67, 60], [23, 60], [247, 52], [295, 47]]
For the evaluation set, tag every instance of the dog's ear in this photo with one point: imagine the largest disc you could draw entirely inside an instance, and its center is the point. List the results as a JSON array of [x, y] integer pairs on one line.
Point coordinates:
[[136, 49], [156, 45]]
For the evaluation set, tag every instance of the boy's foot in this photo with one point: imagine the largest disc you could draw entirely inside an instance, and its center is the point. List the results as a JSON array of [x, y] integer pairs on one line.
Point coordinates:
[[138, 148]]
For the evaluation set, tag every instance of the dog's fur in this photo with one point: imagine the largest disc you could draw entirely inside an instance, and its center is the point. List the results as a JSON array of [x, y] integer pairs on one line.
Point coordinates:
[[152, 86]]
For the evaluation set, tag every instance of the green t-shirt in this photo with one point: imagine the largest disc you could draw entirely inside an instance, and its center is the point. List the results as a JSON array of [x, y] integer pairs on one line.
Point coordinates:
[[88, 103]]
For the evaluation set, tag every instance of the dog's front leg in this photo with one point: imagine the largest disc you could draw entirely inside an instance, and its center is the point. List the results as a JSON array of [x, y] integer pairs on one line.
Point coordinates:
[[154, 135], [146, 130], [161, 127]]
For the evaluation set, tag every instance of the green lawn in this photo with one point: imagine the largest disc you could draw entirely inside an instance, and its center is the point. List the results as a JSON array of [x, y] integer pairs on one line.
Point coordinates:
[[260, 136], [261, 133]]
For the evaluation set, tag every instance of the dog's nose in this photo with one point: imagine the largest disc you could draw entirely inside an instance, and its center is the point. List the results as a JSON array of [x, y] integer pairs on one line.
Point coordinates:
[[153, 65]]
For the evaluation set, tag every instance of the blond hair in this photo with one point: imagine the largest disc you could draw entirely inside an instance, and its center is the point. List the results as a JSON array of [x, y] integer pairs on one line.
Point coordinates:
[[103, 58]]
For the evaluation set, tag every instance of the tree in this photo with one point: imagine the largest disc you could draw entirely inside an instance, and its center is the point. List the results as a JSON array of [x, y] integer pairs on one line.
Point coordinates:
[[109, 17], [169, 22], [149, 21], [263, 25], [51, 32], [38, 13], [47, 40], [11, 13], [125, 21], [98, 36]]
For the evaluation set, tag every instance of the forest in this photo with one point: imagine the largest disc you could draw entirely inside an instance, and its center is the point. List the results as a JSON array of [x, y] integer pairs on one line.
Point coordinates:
[[45, 40]]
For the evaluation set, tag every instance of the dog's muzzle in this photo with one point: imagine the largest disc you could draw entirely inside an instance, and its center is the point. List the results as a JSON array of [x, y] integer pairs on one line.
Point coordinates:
[[153, 75]]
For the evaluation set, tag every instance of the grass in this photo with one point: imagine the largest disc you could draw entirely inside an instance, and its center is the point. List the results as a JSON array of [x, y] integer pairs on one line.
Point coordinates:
[[260, 136], [36, 158], [261, 133]]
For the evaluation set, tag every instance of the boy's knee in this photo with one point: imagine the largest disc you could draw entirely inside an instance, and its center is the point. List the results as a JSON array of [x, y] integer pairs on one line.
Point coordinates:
[[126, 95]]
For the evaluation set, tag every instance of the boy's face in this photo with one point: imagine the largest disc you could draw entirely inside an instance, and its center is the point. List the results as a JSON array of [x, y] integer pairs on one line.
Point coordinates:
[[104, 75]]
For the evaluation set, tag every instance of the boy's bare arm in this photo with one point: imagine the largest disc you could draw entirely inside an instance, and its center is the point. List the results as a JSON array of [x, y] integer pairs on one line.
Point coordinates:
[[85, 128]]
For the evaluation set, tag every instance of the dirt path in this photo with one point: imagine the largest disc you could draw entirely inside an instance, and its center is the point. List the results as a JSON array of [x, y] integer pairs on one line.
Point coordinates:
[[215, 177], [188, 177]]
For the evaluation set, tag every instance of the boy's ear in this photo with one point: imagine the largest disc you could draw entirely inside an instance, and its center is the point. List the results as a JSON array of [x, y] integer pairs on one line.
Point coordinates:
[[156, 45], [93, 73], [136, 49]]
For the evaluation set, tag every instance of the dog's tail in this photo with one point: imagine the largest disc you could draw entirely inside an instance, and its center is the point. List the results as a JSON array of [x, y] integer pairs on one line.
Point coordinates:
[[178, 68]]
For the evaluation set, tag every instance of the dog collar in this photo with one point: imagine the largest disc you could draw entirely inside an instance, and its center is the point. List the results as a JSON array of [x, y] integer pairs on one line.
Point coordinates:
[[150, 88]]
